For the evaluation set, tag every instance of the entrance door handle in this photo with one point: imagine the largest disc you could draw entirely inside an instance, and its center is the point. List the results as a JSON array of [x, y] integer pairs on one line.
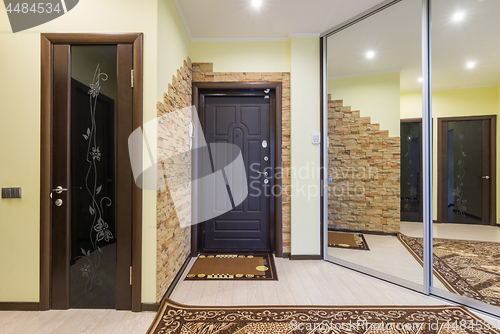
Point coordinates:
[[485, 177], [261, 173]]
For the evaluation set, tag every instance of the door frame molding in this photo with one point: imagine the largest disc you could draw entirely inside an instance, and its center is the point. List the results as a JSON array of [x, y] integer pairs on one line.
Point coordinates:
[[223, 88], [442, 172], [46, 153]]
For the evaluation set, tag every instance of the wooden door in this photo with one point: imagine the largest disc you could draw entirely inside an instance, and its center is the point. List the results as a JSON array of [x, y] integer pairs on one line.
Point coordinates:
[[245, 122], [467, 170], [92, 211], [411, 170]]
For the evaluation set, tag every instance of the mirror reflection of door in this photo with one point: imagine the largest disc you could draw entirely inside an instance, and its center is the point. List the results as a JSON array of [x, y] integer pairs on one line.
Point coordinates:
[[466, 170], [411, 167]]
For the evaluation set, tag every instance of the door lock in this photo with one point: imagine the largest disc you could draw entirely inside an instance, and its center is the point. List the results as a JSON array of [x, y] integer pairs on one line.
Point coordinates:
[[59, 202]]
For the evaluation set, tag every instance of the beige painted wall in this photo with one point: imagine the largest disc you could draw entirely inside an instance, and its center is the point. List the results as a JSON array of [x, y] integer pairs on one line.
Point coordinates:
[[19, 165], [375, 95], [174, 45], [20, 95], [166, 45], [456, 102], [300, 56], [305, 119], [243, 56]]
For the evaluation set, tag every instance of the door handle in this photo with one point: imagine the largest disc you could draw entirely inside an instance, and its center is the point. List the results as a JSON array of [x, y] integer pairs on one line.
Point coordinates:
[[261, 173], [59, 190], [485, 177]]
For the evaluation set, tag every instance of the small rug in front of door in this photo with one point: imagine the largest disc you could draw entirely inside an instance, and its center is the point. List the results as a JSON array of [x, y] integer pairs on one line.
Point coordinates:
[[347, 240], [237, 267], [173, 318], [465, 267]]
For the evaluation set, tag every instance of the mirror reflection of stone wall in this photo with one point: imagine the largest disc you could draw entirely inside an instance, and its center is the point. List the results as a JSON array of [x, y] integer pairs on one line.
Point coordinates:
[[369, 69], [374, 121]]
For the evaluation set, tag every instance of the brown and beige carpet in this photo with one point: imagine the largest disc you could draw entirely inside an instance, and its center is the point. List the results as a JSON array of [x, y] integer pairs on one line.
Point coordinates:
[[233, 267], [347, 240], [173, 318], [465, 267]]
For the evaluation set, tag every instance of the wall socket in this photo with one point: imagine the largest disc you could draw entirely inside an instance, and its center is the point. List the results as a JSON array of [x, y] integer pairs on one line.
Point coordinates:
[[11, 192]]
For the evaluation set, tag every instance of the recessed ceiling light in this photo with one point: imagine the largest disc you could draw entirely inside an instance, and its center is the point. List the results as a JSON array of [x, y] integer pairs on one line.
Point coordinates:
[[256, 3], [471, 64], [458, 16], [420, 79], [370, 54]]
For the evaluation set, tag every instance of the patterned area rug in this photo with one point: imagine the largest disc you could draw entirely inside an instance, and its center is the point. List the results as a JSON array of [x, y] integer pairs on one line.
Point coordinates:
[[468, 268], [174, 318], [233, 267], [347, 240]]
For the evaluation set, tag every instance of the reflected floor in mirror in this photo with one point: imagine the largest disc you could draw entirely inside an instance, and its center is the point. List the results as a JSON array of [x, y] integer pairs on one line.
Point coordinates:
[[388, 255]]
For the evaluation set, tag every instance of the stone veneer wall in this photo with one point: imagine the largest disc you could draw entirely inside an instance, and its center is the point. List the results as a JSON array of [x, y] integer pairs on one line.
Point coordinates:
[[173, 240], [364, 163], [203, 72]]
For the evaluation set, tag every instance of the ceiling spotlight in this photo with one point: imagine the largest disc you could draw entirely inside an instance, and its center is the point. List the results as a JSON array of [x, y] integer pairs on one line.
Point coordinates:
[[256, 3], [458, 16], [370, 54], [471, 64], [420, 79]]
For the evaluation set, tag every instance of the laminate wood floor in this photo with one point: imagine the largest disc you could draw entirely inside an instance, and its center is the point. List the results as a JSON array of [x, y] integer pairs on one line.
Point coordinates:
[[300, 283]]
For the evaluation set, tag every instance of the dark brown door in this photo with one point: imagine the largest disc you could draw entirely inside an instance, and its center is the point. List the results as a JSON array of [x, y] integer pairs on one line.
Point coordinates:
[[245, 122], [91, 214], [466, 170], [411, 170]]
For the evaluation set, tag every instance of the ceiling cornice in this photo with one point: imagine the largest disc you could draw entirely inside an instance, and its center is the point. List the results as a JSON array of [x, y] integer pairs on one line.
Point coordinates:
[[364, 74], [306, 35], [184, 22], [279, 39]]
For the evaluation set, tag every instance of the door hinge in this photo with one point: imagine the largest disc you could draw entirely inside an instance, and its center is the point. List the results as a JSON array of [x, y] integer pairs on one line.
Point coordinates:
[[132, 78], [130, 275]]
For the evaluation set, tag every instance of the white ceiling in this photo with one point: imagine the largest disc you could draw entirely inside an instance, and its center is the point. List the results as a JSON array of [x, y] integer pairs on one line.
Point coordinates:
[[274, 20], [395, 35]]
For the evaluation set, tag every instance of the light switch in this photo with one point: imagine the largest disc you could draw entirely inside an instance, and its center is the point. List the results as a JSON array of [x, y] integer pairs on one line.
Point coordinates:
[[11, 192]]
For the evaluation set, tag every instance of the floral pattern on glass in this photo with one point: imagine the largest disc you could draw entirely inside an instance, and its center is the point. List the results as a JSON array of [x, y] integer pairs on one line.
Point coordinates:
[[460, 202], [100, 234]]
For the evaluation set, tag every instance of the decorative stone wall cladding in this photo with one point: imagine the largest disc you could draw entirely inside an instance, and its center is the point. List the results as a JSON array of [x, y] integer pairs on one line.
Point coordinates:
[[203, 72], [364, 163], [173, 240]]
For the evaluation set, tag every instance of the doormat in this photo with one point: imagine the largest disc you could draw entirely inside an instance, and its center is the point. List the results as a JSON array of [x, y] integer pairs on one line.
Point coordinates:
[[347, 240], [173, 318], [238, 267], [465, 267]]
